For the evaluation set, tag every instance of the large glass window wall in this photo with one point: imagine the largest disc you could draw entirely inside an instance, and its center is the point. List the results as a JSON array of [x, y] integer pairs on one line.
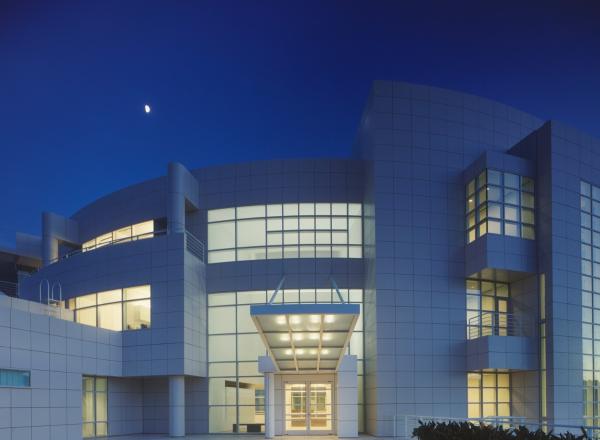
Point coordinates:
[[236, 388], [590, 301], [118, 309], [290, 230], [500, 203]]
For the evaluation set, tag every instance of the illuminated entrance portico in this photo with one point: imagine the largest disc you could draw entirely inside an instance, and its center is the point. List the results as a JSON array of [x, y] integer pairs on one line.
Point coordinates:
[[310, 383], [308, 406]]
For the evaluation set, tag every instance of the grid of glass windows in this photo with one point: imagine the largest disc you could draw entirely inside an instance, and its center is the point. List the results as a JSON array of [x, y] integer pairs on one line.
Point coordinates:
[[488, 305], [290, 230], [500, 203], [488, 395], [590, 301], [118, 309], [15, 378], [94, 405], [138, 231], [235, 387]]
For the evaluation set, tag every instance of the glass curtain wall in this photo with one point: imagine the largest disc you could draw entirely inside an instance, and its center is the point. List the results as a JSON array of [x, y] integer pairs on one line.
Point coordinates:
[[500, 203], [236, 388], [118, 309], [94, 406], [290, 230], [590, 301]]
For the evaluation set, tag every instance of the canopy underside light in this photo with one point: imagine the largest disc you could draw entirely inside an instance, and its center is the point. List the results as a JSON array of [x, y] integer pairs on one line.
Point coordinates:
[[305, 337]]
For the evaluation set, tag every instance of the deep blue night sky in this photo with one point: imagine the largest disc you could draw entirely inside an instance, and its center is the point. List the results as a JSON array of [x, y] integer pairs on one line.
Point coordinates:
[[236, 81]]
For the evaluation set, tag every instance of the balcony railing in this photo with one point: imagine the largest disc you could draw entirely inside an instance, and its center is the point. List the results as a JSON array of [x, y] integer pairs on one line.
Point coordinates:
[[111, 243], [192, 244], [497, 324]]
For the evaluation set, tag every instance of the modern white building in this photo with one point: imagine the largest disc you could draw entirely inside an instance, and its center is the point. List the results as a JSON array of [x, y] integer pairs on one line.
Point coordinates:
[[446, 268]]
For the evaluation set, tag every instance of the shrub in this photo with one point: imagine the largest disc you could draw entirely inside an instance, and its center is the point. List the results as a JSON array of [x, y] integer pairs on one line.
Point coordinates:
[[481, 431]]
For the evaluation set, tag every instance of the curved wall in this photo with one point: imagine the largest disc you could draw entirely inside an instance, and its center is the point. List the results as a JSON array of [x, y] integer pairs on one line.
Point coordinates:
[[133, 204], [261, 182]]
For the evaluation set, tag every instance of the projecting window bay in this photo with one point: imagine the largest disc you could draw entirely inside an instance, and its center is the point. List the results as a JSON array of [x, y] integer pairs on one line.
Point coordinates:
[[500, 203]]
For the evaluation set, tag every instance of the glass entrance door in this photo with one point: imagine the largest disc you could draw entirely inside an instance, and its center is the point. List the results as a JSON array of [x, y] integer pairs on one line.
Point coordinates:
[[320, 407], [295, 408], [309, 408]]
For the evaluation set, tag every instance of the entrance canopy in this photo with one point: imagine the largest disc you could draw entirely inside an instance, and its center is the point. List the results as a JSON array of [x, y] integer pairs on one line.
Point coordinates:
[[305, 337]]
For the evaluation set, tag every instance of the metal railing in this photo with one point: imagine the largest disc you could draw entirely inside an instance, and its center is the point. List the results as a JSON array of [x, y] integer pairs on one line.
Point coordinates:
[[110, 243], [10, 288], [194, 245], [497, 324], [405, 424]]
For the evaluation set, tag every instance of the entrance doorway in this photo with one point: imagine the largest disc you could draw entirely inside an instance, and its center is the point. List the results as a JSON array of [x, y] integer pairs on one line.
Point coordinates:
[[308, 407]]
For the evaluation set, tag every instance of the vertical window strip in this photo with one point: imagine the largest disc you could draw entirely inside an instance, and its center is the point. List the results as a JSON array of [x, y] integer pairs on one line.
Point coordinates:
[[590, 300]]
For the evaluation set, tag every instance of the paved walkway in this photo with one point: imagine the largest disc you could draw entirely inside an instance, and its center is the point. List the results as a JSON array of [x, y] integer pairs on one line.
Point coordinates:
[[228, 437]]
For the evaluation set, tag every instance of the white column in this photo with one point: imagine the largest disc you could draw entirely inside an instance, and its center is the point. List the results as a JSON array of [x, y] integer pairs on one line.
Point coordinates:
[[176, 198], [269, 405], [49, 241], [347, 397], [176, 406]]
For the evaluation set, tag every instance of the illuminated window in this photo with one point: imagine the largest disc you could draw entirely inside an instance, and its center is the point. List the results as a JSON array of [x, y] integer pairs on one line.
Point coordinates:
[[290, 230], [488, 308], [235, 386], [500, 203], [118, 309], [125, 234], [488, 395], [94, 405]]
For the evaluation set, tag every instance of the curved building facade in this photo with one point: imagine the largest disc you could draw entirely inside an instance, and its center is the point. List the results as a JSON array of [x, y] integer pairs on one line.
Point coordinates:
[[446, 268]]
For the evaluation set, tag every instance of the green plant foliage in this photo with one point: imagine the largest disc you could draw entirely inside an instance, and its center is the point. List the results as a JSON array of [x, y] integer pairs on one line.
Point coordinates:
[[481, 431]]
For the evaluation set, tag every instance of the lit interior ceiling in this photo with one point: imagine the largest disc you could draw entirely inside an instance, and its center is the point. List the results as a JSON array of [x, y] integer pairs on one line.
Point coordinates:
[[305, 337]]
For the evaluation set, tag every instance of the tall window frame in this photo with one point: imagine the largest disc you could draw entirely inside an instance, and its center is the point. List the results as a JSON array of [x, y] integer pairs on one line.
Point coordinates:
[[488, 395], [94, 405], [487, 297]]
